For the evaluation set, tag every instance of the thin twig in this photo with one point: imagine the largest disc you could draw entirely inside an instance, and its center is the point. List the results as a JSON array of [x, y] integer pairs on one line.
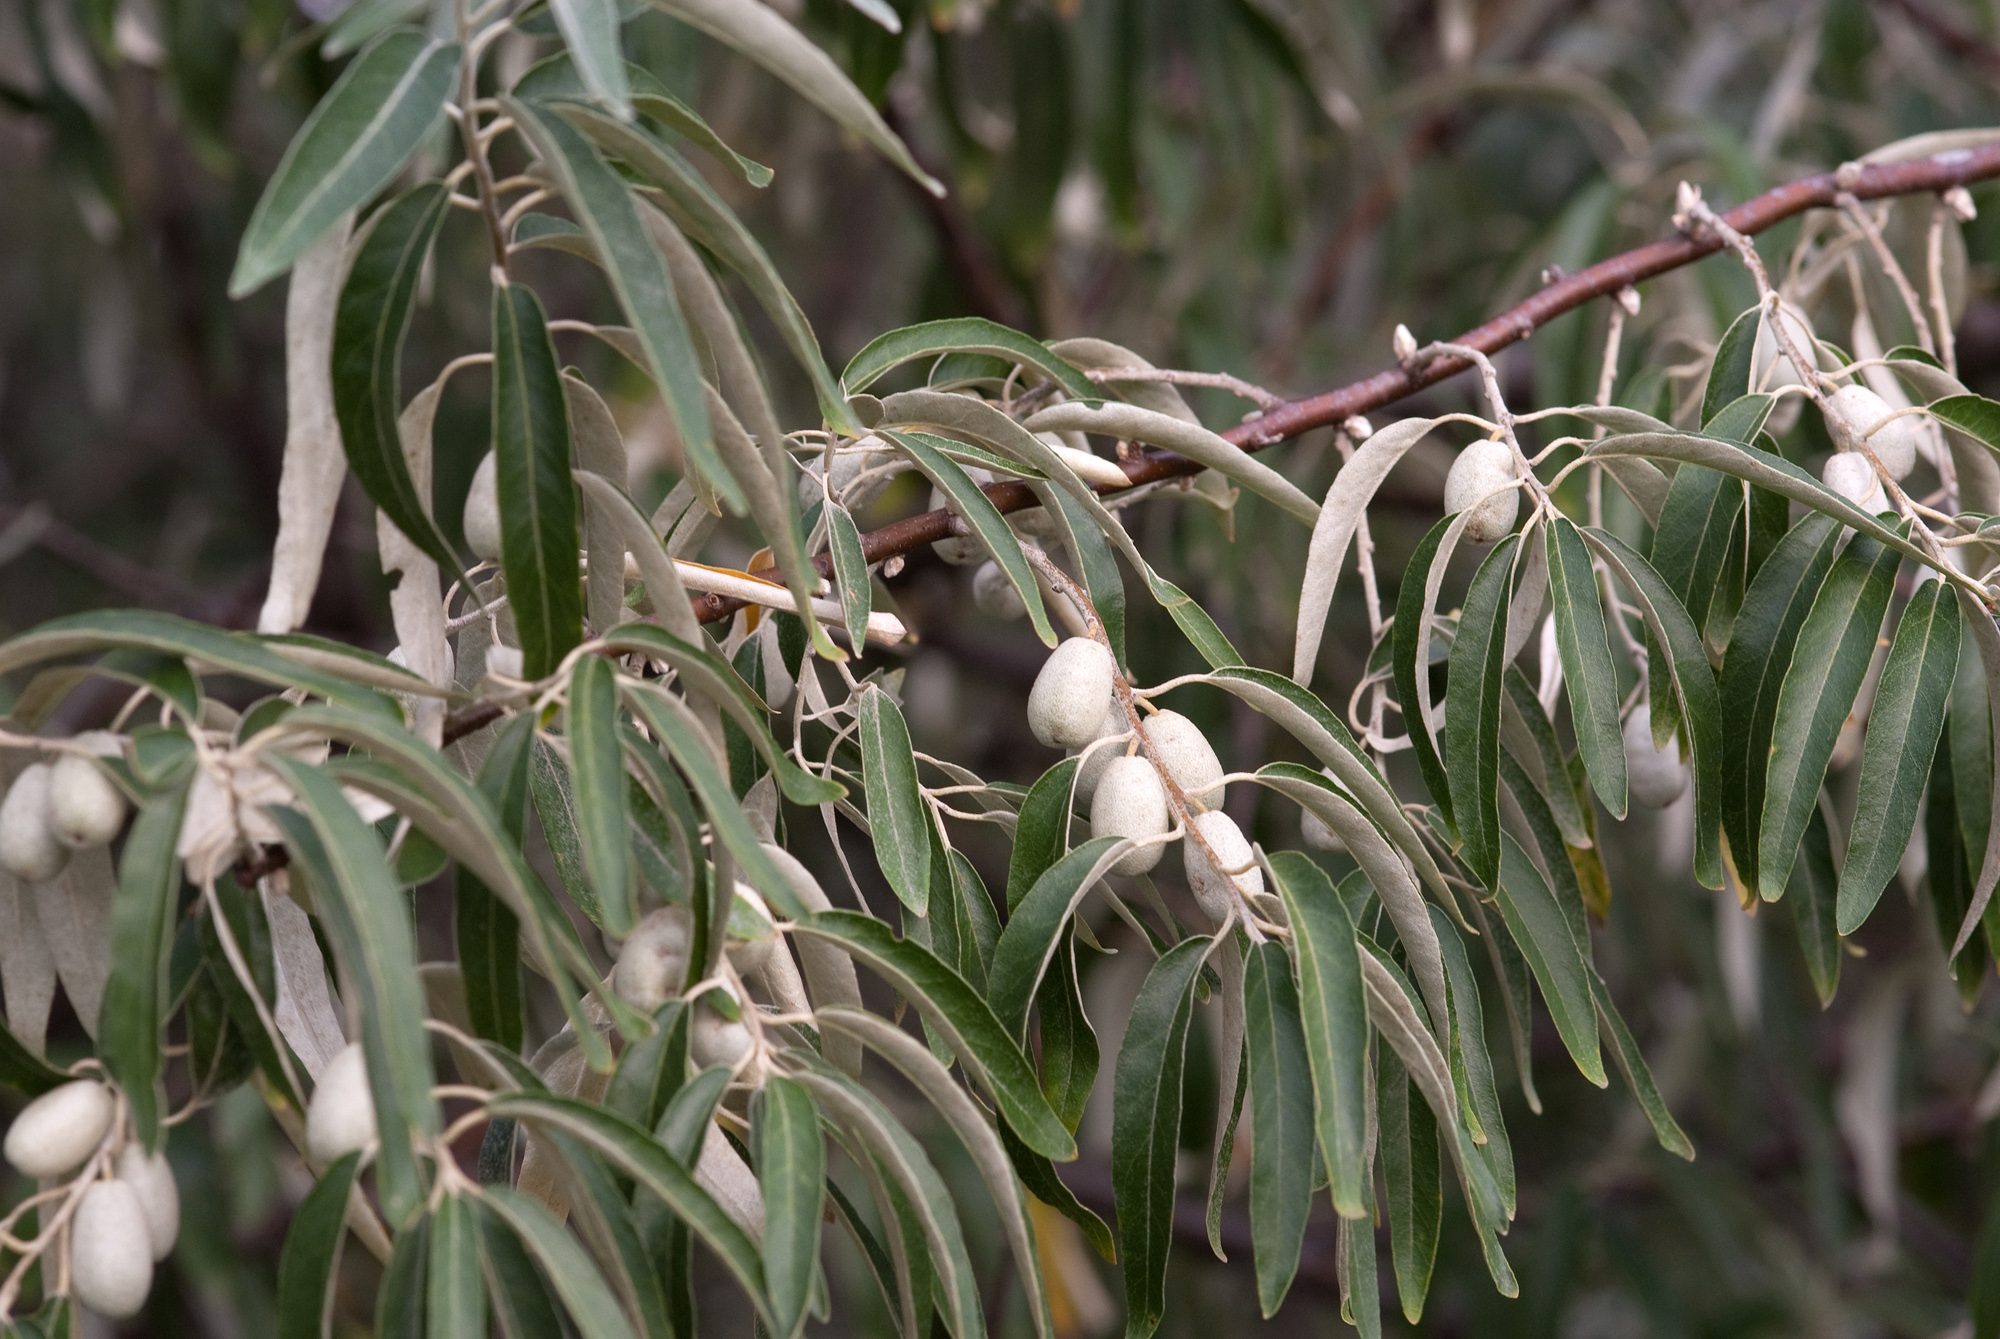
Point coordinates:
[[1865, 221], [1237, 386]]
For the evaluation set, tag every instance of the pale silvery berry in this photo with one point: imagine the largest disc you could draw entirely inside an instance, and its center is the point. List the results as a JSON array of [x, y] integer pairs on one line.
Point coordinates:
[[652, 965], [994, 595], [1852, 410], [482, 510], [111, 1255], [58, 1130], [341, 1116], [1210, 885], [505, 661], [152, 1181], [749, 956], [1130, 802], [1092, 767], [1658, 776], [1770, 367], [1070, 695], [1187, 755], [1481, 468], [715, 1040], [86, 808], [29, 848], [1850, 474]]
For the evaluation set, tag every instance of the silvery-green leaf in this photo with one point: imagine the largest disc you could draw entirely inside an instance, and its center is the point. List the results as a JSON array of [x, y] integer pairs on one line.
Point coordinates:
[[898, 823]]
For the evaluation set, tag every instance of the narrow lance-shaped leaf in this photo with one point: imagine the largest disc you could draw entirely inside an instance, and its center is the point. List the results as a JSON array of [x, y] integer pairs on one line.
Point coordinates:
[[1146, 1122], [368, 329], [1410, 615], [962, 334], [149, 876], [538, 513], [455, 1298], [586, 1296], [1814, 888], [351, 146], [1902, 735], [1336, 1023], [311, 1256], [1561, 965], [850, 566], [1041, 830], [1095, 562], [896, 820], [590, 31], [1829, 661], [597, 763], [791, 1165], [1472, 711], [1638, 1074], [1033, 934], [1414, 1179], [1588, 672], [1281, 1114]]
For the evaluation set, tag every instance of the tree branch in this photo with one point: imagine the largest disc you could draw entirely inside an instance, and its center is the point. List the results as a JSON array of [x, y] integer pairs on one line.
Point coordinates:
[[1935, 174]]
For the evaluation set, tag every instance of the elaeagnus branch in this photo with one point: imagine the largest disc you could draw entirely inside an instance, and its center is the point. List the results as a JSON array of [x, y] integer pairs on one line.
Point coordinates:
[[1938, 173]]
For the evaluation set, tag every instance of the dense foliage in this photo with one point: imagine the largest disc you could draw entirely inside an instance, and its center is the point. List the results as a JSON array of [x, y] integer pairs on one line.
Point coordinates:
[[647, 878]]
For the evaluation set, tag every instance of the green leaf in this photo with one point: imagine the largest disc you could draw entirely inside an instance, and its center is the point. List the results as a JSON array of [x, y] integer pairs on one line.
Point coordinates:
[[1701, 518], [653, 1069], [588, 1298], [369, 326], [1194, 622], [243, 912], [600, 1204], [399, 1301], [635, 1153], [24, 1071], [1638, 1075], [1094, 561], [590, 31], [489, 956], [897, 822], [1033, 933], [1041, 831], [1560, 964], [952, 1007], [962, 334], [554, 795], [1069, 1050], [1411, 614], [355, 142], [1146, 1123], [1413, 1176], [1588, 672], [538, 512], [521, 1299], [1281, 1116], [760, 35], [1829, 661], [1336, 1023], [1753, 671], [598, 765], [850, 566], [1670, 627], [1974, 415], [368, 920], [135, 1000], [604, 205], [1729, 374], [455, 1300], [1472, 1065], [791, 1165], [1472, 711], [1814, 886], [311, 1256], [1903, 732], [1038, 1174], [970, 501]]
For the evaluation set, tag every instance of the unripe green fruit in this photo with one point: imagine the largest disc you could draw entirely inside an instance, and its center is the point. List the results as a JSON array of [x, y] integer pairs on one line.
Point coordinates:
[[29, 848], [1070, 695], [152, 1181], [1657, 776], [85, 807], [1852, 410], [1211, 887], [58, 1130], [482, 510], [994, 595], [1480, 469], [1130, 802], [340, 1119], [1091, 769], [111, 1256], [1187, 755], [652, 965], [1849, 474]]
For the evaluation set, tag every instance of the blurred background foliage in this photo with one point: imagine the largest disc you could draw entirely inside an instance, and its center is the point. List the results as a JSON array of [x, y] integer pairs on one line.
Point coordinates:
[[1261, 187]]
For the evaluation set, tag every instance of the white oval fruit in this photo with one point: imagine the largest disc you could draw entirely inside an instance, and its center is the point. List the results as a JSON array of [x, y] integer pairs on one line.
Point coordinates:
[[715, 1040], [652, 965], [1067, 703], [55, 1133], [1658, 776], [1479, 470], [1210, 885], [152, 1181], [960, 550], [1850, 474], [994, 595], [1187, 755], [505, 661], [28, 845], [111, 1256], [1130, 802], [1317, 834], [341, 1116], [1770, 368], [86, 808], [1093, 765], [482, 510], [1852, 411]]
